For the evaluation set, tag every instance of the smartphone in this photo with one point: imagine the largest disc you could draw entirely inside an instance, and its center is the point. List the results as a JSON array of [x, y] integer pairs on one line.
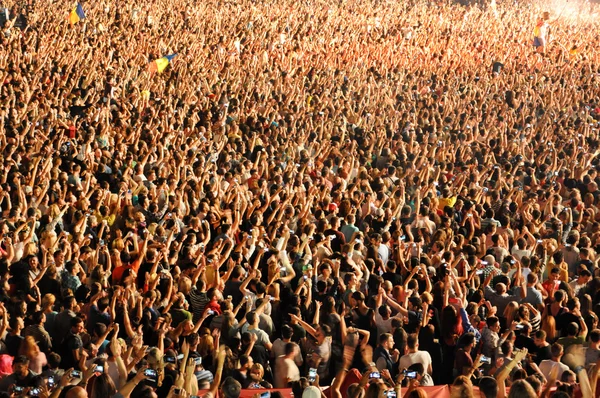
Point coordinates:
[[34, 392], [390, 394], [479, 272], [76, 374], [540, 241], [99, 369], [101, 242], [210, 312], [150, 373], [51, 382], [484, 262], [198, 361], [18, 389], [177, 391], [170, 359], [375, 375], [265, 394], [410, 374], [312, 374], [485, 359]]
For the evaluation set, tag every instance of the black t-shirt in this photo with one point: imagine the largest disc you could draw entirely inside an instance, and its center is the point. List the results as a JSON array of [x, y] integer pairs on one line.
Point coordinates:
[[394, 278], [563, 320], [232, 288], [525, 342], [70, 343], [542, 353], [12, 344]]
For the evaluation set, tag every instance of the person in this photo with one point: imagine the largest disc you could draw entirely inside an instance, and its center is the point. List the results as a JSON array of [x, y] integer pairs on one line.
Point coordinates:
[[71, 345], [286, 369], [242, 374], [592, 353], [414, 355], [488, 387], [582, 280], [385, 356], [543, 348], [547, 365], [279, 345], [21, 375], [38, 332], [541, 32]]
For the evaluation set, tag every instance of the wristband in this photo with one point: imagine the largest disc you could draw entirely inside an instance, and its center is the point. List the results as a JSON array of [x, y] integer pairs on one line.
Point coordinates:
[[579, 369]]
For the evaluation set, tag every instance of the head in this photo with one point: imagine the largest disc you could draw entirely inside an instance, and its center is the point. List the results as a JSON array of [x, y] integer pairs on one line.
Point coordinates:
[[556, 350], [231, 388], [521, 389], [386, 340], [21, 366], [77, 325], [488, 387]]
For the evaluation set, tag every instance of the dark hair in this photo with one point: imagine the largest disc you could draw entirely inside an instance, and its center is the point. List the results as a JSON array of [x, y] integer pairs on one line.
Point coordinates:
[[595, 335], [287, 332], [289, 348], [488, 386], [76, 321], [37, 317], [231, 388]]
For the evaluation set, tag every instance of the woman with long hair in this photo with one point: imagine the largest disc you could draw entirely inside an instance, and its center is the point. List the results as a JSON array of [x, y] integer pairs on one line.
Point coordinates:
[[549, 326], [510, 314], [37, 359], [451, 330], [101, 384], [206, 347]]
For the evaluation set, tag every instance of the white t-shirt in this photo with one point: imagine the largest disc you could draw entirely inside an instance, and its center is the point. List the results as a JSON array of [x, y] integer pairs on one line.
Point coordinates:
[[285, 369], [547, 365], [421, 357]]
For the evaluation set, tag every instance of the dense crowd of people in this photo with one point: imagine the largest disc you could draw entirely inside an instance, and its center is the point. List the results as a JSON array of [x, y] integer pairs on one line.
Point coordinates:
[[341, 198]]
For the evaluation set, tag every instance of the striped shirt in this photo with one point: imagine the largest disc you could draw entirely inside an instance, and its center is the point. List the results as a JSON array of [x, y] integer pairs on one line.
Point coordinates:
[[198, 302]]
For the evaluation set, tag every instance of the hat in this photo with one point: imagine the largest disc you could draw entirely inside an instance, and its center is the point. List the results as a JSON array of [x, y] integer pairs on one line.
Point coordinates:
[[311, 392], [379, 213]]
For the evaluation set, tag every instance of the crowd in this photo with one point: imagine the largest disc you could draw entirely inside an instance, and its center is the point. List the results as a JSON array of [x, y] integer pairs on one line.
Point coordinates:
[[341, 198]]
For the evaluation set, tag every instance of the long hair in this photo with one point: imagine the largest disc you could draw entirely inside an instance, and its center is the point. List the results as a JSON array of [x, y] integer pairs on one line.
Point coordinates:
[[549, 326], [29, 348], [102, 386], [206, 344], [451, 325]]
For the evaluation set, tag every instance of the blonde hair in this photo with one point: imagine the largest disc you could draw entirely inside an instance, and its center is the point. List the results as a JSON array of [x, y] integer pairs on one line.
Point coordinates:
[[29, 347], [510, 311], [48, 300], [206, 343]]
